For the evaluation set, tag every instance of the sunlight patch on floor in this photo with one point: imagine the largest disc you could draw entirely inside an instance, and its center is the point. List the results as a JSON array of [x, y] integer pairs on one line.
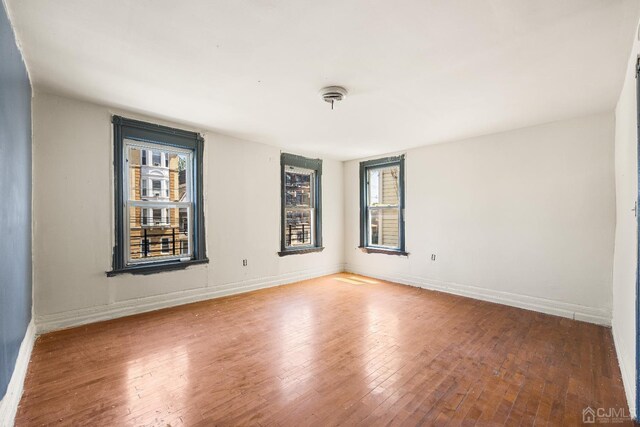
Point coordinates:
[[354, 280]]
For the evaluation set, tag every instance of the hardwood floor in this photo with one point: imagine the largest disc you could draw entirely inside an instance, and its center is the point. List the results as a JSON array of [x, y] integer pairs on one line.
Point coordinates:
[[341, 349]]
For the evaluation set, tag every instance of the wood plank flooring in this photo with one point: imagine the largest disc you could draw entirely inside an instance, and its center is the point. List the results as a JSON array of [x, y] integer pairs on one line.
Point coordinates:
[[337, 350]]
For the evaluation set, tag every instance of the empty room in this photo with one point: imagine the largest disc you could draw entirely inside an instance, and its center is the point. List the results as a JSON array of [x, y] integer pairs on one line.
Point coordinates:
[[330, 213]]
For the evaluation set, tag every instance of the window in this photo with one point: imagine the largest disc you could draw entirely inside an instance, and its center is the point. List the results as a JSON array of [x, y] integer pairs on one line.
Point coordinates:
[[148, 229], [165, 245], [184, 224], [156, 158], [382, 206], [157, 216], [145, 216], [157, 187], [301, 205]]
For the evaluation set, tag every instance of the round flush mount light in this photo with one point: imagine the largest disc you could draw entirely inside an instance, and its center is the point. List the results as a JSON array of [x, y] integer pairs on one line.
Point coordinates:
[[332, 94]]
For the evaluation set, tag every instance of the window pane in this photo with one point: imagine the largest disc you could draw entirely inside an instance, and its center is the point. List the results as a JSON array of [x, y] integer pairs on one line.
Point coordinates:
[[298, 227], [374, 187], [183, 220], [383, 186], [299, 187], [158, 229], [144, 216], [173, 217], [178, 171], [135, 179], [157, 217], [162, 227], [149, 182], [384, 227]]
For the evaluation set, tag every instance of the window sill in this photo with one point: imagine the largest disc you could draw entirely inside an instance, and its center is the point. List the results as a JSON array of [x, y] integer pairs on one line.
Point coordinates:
[[157, 267], [369, 250], [300, 251]]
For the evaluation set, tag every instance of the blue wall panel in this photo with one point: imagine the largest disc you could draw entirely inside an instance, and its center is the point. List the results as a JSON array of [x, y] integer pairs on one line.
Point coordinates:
[[15, 201]]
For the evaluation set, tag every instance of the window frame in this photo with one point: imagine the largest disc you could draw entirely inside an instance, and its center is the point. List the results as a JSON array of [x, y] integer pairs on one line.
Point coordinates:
[[287, 159], [364, 207], [124, 128]]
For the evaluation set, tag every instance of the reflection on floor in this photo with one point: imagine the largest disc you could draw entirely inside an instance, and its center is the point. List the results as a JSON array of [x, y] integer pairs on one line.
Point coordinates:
[[340, 349]]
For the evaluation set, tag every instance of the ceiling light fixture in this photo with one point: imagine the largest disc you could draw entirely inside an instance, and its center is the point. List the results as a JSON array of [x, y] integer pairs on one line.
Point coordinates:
[[333, 93]]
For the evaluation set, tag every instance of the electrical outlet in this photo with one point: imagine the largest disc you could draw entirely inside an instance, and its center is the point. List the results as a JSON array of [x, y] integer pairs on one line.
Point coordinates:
[[433, 257], [244, 262]]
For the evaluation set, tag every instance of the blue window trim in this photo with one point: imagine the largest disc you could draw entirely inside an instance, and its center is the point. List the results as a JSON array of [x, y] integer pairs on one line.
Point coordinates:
[[364, 167], [287, 159], [124, 128]]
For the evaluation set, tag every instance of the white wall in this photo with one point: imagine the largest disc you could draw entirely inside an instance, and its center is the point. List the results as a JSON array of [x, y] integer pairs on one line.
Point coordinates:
[[73, 221], [524, 218], [624, 271]]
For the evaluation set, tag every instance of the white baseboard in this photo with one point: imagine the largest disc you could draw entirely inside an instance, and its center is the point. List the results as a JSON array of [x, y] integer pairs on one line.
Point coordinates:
[[558, 308], [9, 404], [628, 375], [51, 322]]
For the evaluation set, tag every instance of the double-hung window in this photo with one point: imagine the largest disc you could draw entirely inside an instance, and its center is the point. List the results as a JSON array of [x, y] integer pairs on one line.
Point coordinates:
[[157, 187], [157, 155], [145, 187], [158, 198], [382, 205], [301, 205]]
